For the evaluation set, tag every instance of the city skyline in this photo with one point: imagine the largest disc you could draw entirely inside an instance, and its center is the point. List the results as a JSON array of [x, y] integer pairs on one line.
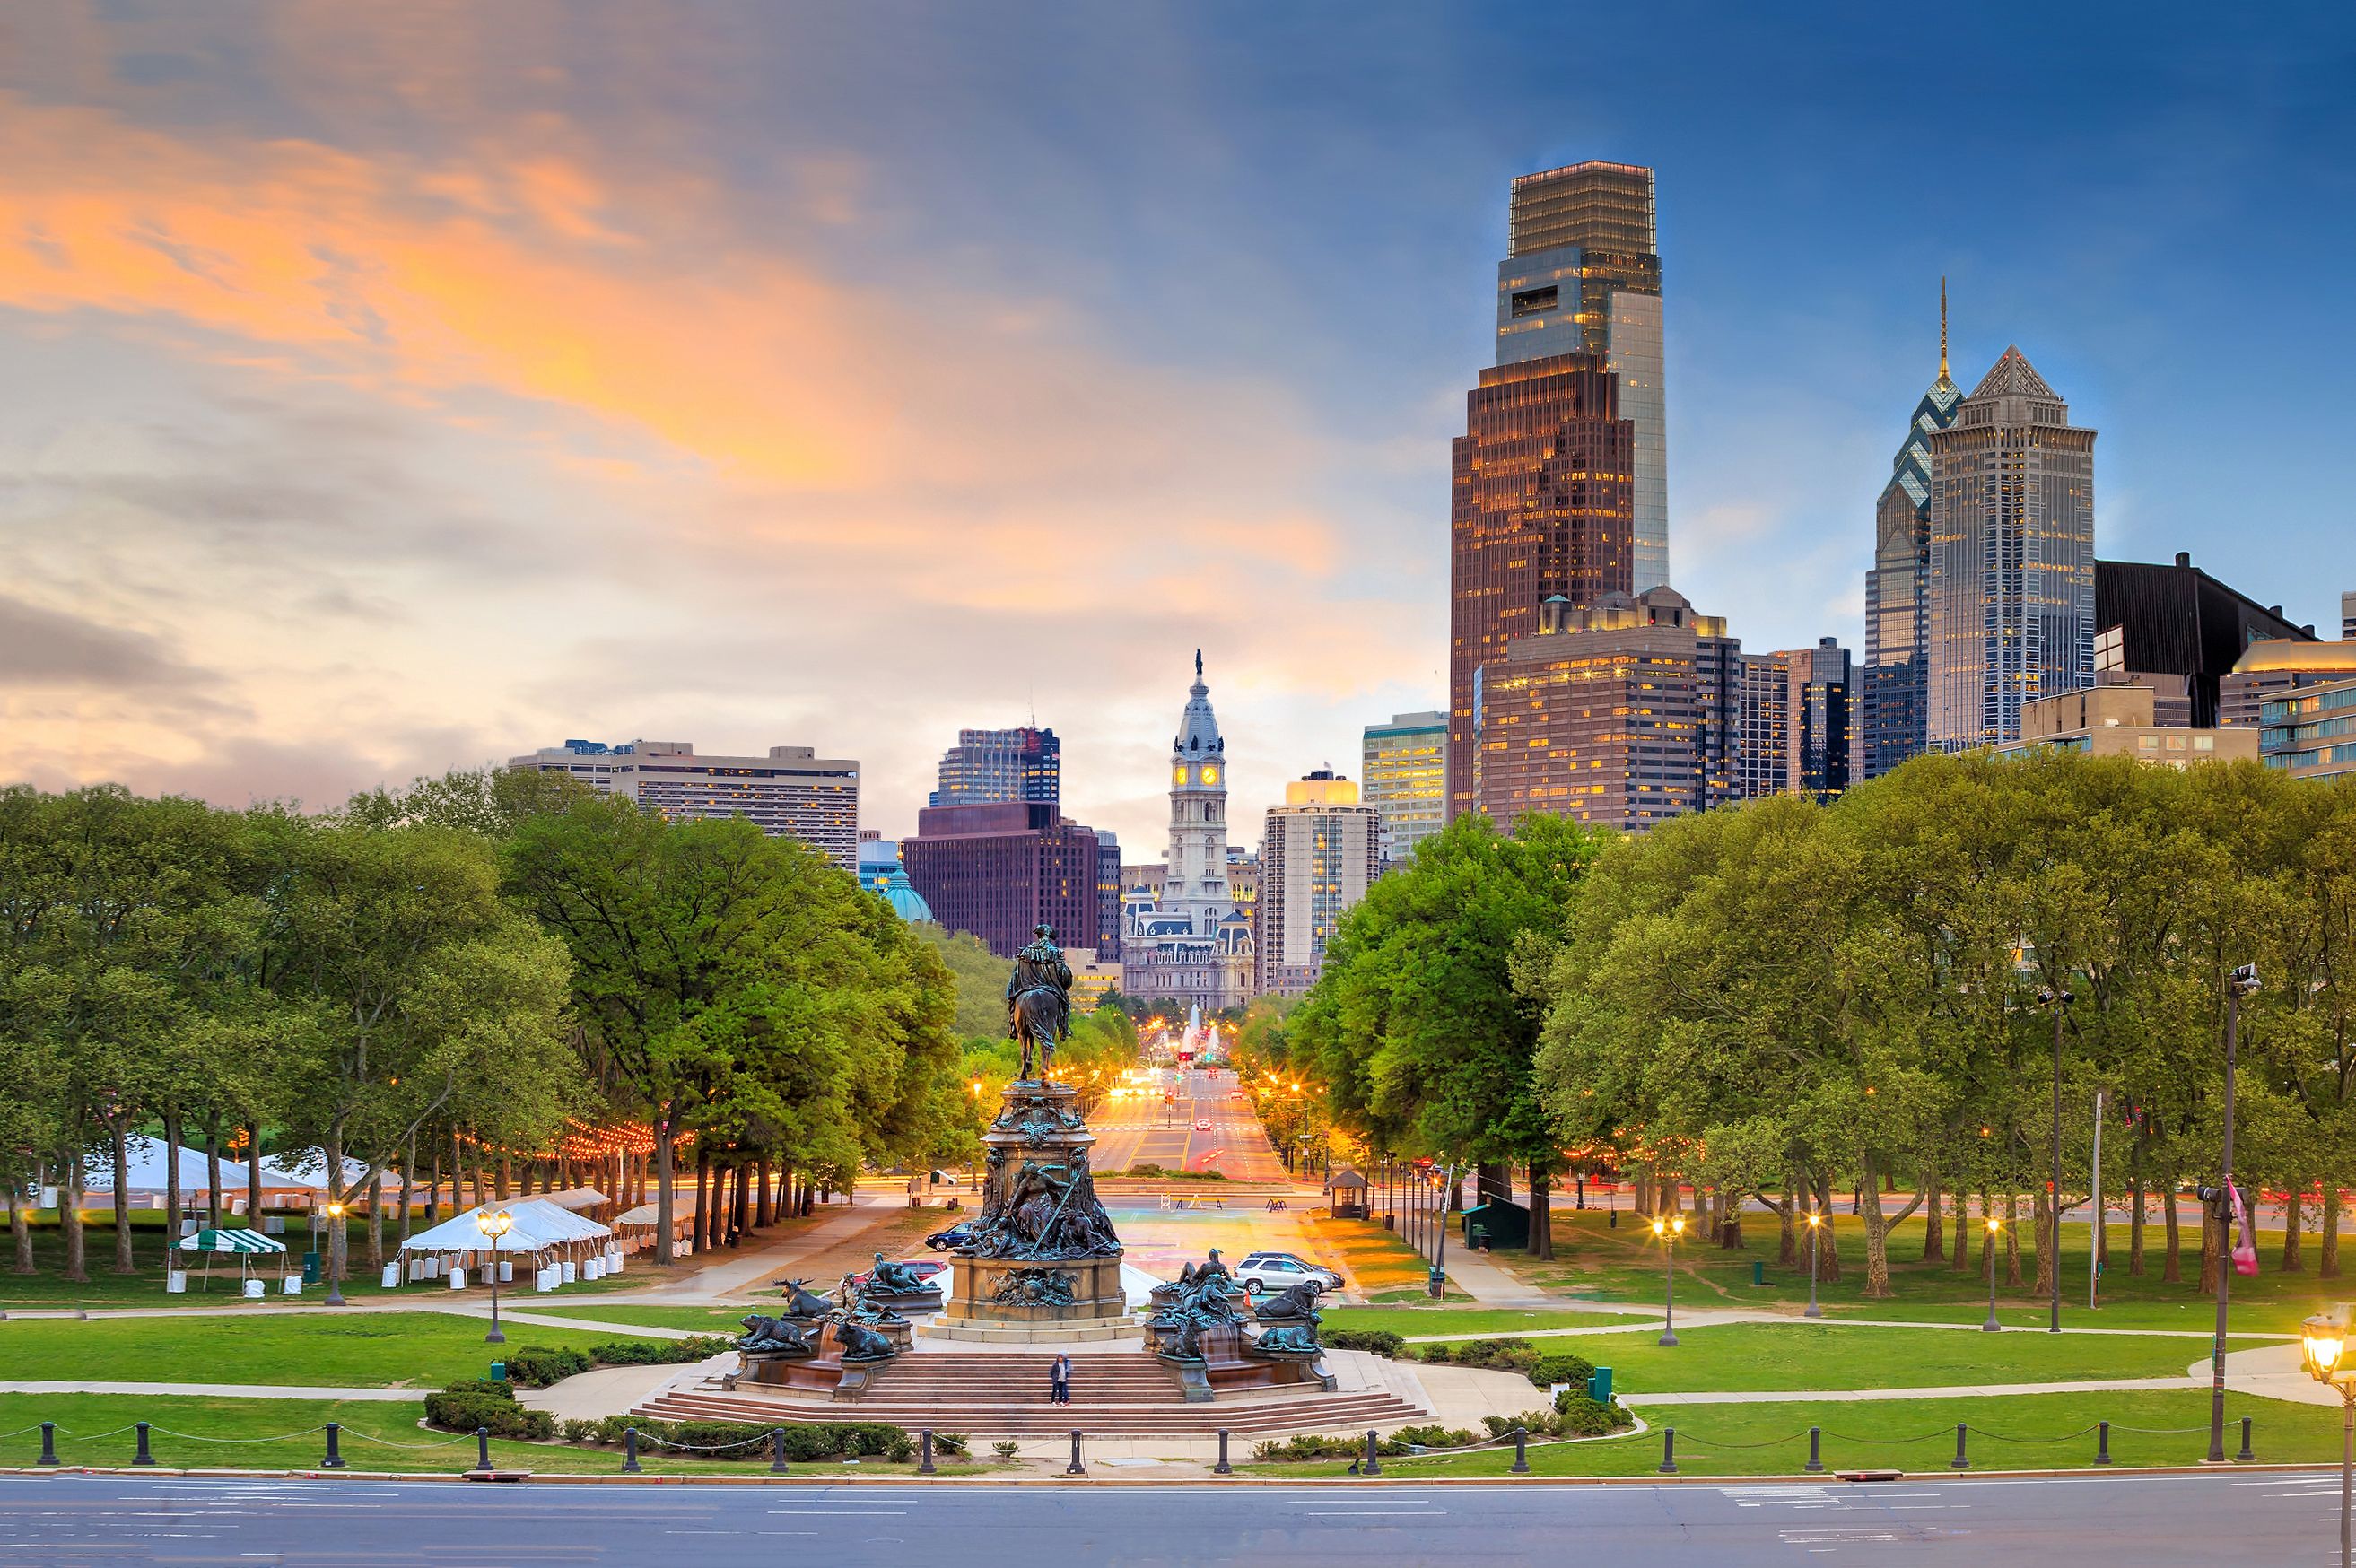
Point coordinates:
[[543, 376]]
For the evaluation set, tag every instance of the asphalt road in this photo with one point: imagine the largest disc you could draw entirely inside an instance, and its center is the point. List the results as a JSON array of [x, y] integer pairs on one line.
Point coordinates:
[[1129, 1131], [2288, 1519]]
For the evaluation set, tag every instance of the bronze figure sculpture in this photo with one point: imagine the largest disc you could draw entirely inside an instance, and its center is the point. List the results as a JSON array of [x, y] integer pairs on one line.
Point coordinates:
[[1039, 1002], [803, 1303], [774, 1335]]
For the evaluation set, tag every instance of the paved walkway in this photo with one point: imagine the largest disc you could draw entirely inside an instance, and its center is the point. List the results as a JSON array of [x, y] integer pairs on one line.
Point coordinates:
[[739, 1274]]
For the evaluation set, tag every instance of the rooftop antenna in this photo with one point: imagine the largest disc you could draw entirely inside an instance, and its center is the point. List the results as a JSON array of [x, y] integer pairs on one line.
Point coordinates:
[[1943, 327]]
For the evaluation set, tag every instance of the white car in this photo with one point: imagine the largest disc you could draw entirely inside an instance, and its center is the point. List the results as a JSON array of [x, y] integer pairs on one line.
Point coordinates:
[[1273, 1271]]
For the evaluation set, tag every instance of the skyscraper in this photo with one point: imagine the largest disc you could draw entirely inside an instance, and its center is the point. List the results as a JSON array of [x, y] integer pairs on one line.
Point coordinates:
[[997, 868], [2011, 597], [1190, 942], [1583, 275], [1404, 765], [1321, 850], [989, 765], [1795, 722], [1891, 690], [1540, 507]]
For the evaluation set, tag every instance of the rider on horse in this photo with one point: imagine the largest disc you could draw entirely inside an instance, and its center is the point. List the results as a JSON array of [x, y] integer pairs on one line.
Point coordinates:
[[1038, 999]]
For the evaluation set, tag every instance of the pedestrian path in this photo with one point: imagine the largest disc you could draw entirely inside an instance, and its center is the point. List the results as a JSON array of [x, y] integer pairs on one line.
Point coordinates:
[[737, 1275]]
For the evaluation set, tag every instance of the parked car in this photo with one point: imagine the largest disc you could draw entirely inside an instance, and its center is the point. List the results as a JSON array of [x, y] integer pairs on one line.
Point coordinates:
[[1279, 1271], [957, 1235]]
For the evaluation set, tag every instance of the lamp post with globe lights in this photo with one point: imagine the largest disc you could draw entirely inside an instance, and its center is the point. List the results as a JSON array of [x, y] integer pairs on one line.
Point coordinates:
[[494, 1223], [1992, 1326], [2323, 1349], [1815, 1239], [1668, 1229]]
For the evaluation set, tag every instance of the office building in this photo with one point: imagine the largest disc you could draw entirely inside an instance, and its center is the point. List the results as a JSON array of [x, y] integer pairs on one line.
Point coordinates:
[[2010, 598], [2311, 734], [2180, 631], [2120, 720], [1624, 712], [990, 765], [2348, 617], [1540, 507], [1094, 973], [2269, 670], [791, 792], [998, 869], [1318, 854], [1404, 764], [1188, 942], [1795, 723], [1891, 688], [1583, 275]]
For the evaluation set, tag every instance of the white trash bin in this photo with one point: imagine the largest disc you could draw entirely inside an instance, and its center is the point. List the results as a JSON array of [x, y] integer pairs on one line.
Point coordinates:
[[291, 1285], [393, 1276], [507, 1270], [253, 1290], [176, 1281], [457, 1279], [545, 1279], [571, 1275]]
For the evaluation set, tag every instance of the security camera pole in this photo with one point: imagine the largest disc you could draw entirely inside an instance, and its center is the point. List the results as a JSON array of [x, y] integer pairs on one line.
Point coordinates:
[[2243, 982]]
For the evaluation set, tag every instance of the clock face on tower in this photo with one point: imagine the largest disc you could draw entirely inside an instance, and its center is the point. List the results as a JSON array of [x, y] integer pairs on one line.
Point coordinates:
[[1178, 774], [1211, 775]]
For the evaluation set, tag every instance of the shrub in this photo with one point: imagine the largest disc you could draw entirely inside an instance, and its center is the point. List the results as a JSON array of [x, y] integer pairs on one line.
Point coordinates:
[[491, 1386], [957, 1445], [1434, 1436], [1381, 1341], [1006, 1450], [658, 1352], [900, 1450], [537, 1366], [1548, 1371], [745, 1439], [1501, 1355], [1576, 1415], [465, 1410]]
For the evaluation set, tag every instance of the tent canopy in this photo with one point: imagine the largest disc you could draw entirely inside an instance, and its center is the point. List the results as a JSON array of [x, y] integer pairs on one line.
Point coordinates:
[[228, 1240], [572, 1198], [149, 1170], [536, 1224]]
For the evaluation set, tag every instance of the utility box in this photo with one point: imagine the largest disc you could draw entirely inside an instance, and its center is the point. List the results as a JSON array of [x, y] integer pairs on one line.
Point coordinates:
[[1599, 1385], [310, 1268], [1501, 1223]]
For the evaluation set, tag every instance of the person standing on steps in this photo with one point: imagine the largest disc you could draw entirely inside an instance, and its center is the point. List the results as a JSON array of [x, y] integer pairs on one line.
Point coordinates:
[[1059, 1380]]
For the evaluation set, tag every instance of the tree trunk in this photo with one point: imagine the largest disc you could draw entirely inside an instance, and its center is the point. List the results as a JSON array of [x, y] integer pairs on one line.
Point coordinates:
[[1877, 1229], [213, 1177], [506, 1175], [764, 1211], [1541, 1243], [2045, 1213], [703, 1194], [253, 1176], [2171, 1259], [2012, 1280], [1640, 1196], [1829, 1264], [2292, 1263], [119, 1126], [2134, 1226], [666, 1185], [408, 1187], [69, 1193], [2211, 1232], [2326, 1265], [434, 1188], [1962, 1261], [739, 1200], [171, 1180], [20, 1228], [1787, 1240], [1935, 1241], [376, 1217]]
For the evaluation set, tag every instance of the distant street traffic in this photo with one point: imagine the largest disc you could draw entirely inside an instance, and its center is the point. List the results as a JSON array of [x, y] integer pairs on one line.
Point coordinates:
[[1145, 1130]]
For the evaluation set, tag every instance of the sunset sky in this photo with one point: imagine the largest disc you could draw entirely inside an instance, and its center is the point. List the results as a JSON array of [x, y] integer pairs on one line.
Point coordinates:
[[385, 388]]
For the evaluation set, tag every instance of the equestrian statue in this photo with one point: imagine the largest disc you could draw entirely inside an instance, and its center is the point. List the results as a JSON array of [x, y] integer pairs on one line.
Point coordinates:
[[1039, 1002]]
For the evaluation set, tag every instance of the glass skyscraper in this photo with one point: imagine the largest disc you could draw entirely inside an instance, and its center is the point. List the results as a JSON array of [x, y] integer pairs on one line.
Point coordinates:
[[2010, 596], [1583, 275], [987, 766], [1405, 766], [1892, 705]]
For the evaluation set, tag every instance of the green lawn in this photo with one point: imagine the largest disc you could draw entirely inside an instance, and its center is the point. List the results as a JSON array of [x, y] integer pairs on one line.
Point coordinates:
[[2042, 1432], [1731, 1357], [1596, 1261], [697, 1319], [283, 1434], [1418, 1321], [327, 1350]]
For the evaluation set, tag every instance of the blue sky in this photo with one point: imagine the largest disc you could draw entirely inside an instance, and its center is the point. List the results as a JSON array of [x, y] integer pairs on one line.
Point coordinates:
[[382, 392]]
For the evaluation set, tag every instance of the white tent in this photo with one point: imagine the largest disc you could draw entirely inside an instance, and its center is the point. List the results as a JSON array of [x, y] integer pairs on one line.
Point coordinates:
[[535, 1226], [574, 1199], [149, 1173]]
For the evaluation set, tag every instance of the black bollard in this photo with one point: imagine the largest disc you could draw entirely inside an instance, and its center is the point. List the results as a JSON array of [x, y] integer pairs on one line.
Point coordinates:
[[2245, 1457], [1668, 1450], [48, 1444], [2102, 1443], [1223, 1467], [1816, 1465], [143, 1456], [1076, 1467], [334, 1459], [482, 1449], [777, 1450], [1521, 1451], [1374, 1460], [925, 1453], [1961, 1461], [630, 1465]]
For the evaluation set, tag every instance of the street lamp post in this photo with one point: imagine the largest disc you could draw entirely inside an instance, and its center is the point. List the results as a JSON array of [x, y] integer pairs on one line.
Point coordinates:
[[2323, 1341], [2243, 982], [1992, 1326], [1668, 1230], [494, 1225], [1815, 1231], [336, 1254], [1437, 1282], [2058, 1002]]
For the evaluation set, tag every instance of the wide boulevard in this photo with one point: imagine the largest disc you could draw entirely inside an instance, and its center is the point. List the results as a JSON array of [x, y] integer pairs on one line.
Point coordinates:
[[2156, 1522], [1145, 1129]]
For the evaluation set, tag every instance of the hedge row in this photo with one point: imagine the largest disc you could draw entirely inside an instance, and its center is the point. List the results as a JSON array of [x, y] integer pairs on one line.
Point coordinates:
[[472, 1402], [746, 1439], [537, 1366], [1514, 1356]]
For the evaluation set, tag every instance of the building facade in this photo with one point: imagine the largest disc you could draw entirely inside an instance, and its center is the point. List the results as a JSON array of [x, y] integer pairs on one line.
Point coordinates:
[[791, 792], [1891, 691], [998, 869], [2311, 734], [1319, 852], [1541, 500], [2010, 599], [1583, 274], [1404, 764], [1189, 942], [990, 765], [1623, 712], [2120, 720], [2180, 631], [2269, 670], [1795, 723]]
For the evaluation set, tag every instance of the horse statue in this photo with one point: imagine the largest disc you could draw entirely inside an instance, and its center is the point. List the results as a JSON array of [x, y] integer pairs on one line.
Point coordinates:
[[1039, 1002]]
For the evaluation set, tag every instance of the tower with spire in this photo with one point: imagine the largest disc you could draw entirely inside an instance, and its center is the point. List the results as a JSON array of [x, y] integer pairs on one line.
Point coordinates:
[[1190, 942], [1893, 702]]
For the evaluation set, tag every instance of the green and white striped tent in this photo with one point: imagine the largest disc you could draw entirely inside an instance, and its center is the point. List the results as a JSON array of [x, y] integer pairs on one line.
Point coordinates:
[[228, 1240]]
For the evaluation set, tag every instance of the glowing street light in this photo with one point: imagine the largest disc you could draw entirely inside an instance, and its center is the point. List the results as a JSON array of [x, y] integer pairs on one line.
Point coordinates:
[[1815, 1229], [2323, 1346], [336, 1254], [1668, 1230], [494, 1223], [1992, 1326]]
